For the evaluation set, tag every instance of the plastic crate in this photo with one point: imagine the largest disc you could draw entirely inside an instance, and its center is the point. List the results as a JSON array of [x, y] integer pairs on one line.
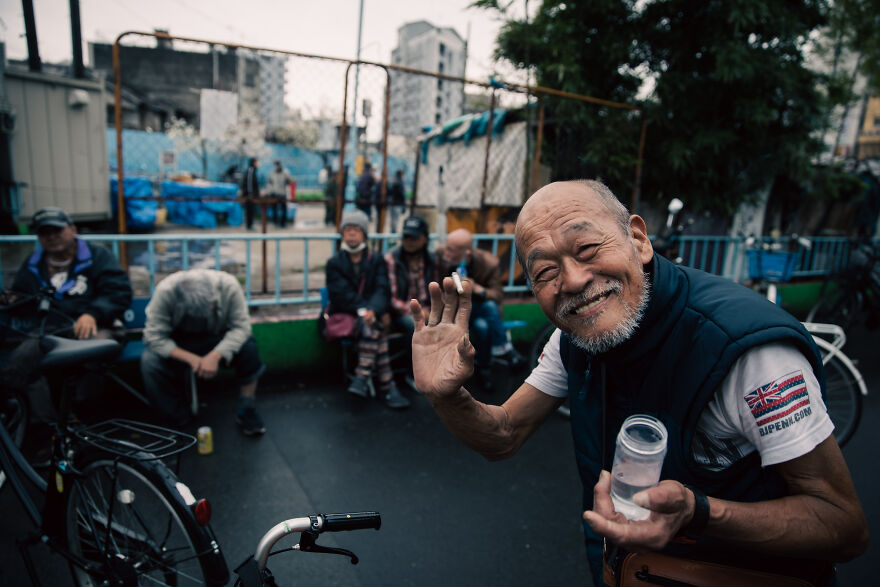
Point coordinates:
[[771, 265]]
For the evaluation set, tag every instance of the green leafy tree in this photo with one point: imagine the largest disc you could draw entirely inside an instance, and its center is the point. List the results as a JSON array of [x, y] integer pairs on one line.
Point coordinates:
[[582, 48], [733, 106]]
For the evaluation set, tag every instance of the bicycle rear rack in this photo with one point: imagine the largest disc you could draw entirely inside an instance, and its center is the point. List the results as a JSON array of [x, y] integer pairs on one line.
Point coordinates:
[[144, 442]]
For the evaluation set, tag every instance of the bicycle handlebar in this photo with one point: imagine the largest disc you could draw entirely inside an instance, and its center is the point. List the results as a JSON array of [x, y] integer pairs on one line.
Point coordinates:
[[314, 524], [354, 521]]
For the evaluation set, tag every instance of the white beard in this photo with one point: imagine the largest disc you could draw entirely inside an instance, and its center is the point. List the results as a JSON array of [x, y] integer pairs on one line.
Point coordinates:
[[622, 331]]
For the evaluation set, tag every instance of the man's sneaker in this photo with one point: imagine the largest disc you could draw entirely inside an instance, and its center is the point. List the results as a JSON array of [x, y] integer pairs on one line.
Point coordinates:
[[511, 359], [249, 421], [359, 387], [515, 360], [411, 382], [394, 399]]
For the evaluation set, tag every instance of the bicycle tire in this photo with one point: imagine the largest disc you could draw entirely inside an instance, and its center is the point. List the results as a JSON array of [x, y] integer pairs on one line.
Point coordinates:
[[153, 535], [843, 397], [840, 306]]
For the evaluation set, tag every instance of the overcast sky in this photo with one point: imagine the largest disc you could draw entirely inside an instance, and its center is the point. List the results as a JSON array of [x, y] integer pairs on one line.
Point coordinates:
[[322, 27]]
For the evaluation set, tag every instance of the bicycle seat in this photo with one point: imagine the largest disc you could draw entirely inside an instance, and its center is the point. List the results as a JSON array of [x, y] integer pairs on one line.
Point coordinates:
[[67, 352]]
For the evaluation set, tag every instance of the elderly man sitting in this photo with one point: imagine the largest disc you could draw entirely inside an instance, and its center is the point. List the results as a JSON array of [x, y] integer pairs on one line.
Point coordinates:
[[195, 319]]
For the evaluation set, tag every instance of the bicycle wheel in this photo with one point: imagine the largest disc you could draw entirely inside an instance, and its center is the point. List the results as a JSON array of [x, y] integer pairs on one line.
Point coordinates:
[[840, 306], [130, 525], [843, 397]]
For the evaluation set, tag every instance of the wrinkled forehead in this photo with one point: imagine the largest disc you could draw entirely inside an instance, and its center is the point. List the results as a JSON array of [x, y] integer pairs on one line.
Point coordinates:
[[562, 208]]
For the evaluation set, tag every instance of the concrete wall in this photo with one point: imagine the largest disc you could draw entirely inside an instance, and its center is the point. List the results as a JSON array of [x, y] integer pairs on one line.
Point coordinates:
[[58, 145]]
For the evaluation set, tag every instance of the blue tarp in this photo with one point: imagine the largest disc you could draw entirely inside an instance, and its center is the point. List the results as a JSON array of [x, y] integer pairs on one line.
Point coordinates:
[[139, 214], [196, 212], [142, 151], [464, 128]]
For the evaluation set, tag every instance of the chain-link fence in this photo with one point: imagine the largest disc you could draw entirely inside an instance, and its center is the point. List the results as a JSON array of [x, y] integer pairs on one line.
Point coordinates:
[[189, 115]]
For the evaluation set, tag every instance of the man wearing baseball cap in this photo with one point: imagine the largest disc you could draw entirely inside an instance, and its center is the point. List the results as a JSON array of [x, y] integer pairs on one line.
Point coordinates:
[[87, 282], [89, 291], [411, 267]]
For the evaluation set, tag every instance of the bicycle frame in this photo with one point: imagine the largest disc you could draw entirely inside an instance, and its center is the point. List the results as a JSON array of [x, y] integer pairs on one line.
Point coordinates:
[[834, 351]]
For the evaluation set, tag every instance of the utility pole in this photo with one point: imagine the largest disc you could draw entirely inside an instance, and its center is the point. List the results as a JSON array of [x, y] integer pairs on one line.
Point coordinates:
[[352, 178]]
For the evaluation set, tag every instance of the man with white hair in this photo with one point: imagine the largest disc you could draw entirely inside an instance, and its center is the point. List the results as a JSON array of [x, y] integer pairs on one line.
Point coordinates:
[[753, 479], [194, 319]]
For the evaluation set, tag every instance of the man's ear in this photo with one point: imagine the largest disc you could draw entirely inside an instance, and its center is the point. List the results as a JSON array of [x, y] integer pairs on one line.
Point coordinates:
[[638, 230]]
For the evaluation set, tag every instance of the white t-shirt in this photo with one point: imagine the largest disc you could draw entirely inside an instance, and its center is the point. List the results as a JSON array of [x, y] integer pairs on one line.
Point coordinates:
[[770, 401]]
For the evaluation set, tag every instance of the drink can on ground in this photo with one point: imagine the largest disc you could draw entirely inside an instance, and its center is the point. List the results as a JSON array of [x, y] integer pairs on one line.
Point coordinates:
[[206, 440]]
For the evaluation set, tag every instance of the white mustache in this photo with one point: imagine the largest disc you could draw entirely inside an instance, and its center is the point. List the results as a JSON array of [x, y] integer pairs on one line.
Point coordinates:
[[594, 291]]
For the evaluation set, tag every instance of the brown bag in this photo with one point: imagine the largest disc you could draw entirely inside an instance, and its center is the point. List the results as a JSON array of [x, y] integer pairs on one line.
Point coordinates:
[[653, 568]]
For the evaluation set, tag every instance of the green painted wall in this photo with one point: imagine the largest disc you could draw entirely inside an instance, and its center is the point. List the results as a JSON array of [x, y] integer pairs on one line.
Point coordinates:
[[296, 344]]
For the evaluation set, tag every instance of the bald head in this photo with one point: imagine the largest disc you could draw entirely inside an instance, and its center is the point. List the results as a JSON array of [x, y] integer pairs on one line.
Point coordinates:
[[458, 246], [558, 199], [555, 196], [460, 238]]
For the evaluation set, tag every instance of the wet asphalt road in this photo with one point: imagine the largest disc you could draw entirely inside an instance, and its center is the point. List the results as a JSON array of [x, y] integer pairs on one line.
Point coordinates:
[[448, 516]]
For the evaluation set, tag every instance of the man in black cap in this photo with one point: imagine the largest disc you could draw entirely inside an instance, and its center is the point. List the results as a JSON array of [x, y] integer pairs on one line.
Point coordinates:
[[411, 267], [88, 285], [89, 292]]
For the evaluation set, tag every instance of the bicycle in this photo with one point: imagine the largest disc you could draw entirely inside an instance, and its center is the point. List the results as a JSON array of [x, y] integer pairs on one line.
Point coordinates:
[[253, 572], [856, 289], [112, 507], [771, 262]]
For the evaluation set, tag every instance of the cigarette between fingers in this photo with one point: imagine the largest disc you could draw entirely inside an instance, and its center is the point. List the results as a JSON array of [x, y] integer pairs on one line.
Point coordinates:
[[457, 280]]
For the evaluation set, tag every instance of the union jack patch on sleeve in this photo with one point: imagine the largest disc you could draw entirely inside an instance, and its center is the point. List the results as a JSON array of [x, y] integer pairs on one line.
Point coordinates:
[[785, 399]]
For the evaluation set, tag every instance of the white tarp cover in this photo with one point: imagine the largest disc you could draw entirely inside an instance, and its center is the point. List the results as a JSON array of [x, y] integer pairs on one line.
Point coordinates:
[[461, 179]]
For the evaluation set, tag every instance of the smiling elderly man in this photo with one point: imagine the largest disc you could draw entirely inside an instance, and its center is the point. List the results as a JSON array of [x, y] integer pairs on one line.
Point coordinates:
[[637, 334]]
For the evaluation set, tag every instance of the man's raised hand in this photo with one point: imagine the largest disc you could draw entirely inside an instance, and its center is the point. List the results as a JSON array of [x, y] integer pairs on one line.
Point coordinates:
[[443, 357]]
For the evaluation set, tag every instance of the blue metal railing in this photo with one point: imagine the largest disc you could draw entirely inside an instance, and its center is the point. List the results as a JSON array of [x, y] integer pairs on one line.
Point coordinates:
[[164, 253], [158, 254]]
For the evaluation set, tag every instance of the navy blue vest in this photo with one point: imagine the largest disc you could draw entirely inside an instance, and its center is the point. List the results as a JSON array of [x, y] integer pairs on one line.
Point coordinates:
[[694, 329]]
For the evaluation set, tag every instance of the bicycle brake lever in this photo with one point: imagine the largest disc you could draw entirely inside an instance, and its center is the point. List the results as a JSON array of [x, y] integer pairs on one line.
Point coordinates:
[[307, 544]]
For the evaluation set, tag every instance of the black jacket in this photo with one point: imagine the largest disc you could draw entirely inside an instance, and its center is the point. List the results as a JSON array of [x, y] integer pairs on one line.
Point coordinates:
[[96, 285], [342, 285], [250, 183], [396, 195]]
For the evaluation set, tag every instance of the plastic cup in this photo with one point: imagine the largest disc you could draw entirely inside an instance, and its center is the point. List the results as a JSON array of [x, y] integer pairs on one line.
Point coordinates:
[[638, 459]]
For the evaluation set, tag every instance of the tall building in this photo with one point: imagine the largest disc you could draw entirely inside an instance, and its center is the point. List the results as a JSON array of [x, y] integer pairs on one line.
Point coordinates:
[[419, 101]]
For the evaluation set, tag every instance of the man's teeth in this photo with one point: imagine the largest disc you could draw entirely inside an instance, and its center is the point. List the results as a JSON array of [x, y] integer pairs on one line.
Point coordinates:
[[589, 305]]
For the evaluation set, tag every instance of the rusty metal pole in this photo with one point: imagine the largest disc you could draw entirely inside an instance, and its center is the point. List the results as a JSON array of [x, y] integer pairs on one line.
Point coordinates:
[[415, 195], [120, 173], [343, 135], [383, 193], [637, 188], [536, 164], [482, 224]]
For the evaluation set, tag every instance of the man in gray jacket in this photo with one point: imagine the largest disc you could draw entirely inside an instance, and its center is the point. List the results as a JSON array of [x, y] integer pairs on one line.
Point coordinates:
[[194, 319]]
